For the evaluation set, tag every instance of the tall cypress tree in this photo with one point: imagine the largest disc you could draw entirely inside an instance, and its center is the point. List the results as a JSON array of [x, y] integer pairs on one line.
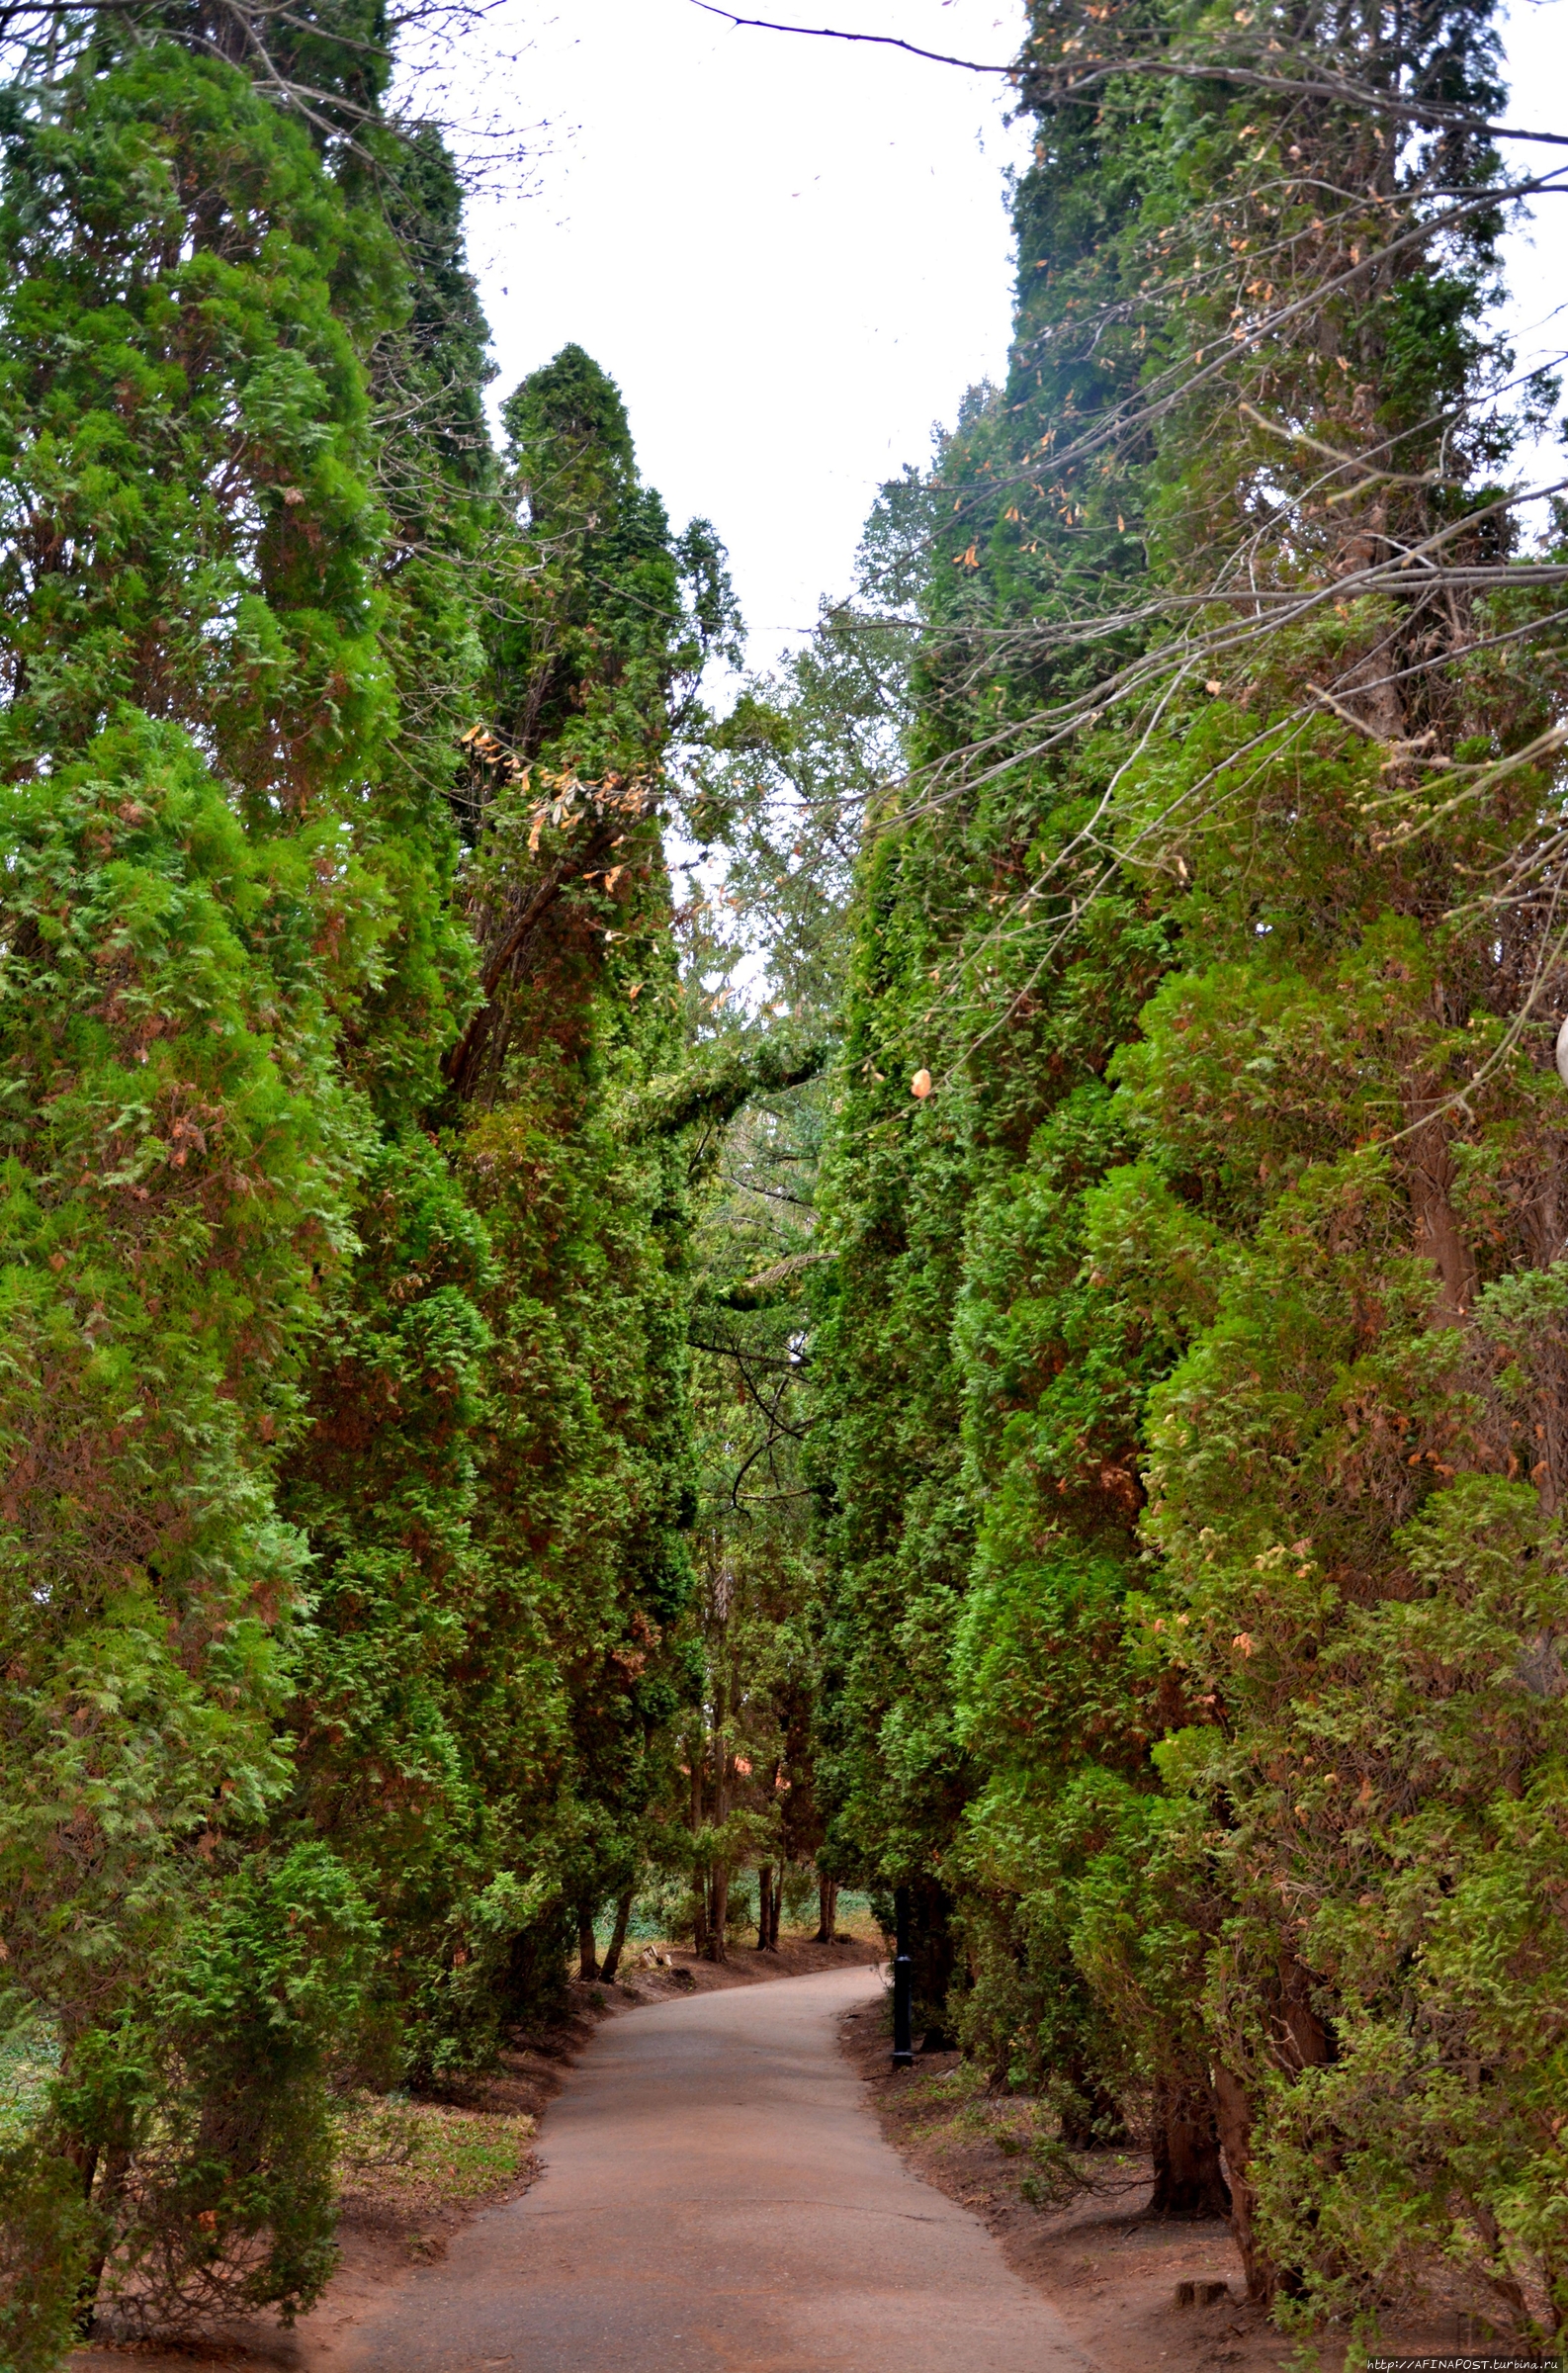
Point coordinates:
[[384, 1477], [946, 996], [601, 627], [199, 902], [299, 1307], [1215, 1826]]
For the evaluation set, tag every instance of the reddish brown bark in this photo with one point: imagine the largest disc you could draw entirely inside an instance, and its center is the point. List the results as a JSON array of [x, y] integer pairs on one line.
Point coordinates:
[[1234, 2119], [587, 1948], [718, 1911], [623, 1915], [1430, 1176], [1188, 2179]]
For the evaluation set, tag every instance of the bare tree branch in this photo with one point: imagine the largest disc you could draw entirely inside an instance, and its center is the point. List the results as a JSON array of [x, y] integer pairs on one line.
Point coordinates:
[[826, 32]]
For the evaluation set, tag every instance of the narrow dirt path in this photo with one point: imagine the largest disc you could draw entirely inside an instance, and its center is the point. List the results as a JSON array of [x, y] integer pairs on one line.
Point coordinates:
[[717, 2200]]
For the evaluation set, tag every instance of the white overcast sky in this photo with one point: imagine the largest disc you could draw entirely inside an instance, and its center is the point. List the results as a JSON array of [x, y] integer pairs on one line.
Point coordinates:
[[794, 255]]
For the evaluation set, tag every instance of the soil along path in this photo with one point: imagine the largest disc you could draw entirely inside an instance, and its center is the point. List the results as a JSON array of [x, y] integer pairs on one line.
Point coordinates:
[[716, 2200]]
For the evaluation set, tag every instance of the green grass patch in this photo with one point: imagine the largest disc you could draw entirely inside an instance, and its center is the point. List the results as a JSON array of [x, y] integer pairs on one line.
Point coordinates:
[[412, 2152]]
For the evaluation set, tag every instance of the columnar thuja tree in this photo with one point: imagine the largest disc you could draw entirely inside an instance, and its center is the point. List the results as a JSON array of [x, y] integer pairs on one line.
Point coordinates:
[[1359, 1218], [951, 997], [290, 1298], [1350, 847], [382, 1477], [600, 625], [196, 903], [1241, 619]]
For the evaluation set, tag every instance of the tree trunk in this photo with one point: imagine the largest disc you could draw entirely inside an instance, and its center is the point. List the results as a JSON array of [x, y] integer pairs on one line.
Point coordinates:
[[1311, 2044], [1508, 2288], [772, 1920], [766, 1937], [719, 1912], [718, 1881], [1234, 2119], [1188, 2180], [935, 1953], [827, 1902], [1430, 1176], [587, 1950], [1089, 2112], [116, 2167], [623, 1915], [699, 1881]]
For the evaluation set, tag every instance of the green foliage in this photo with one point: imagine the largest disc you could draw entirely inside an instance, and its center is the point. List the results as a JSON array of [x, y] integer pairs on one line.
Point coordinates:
[[480, 1421], [347, 1465], [495, 1476], [180, 2161], [44, 2245], [385, 1482], [209, 2114], [598, 653], [181, 406], [1437, 2125], [586, 1478], [173, 1187], [223, 949], [1184, 1389]]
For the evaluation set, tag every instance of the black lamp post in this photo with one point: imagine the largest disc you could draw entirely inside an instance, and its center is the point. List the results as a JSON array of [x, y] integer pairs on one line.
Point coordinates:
[[903, 1971]]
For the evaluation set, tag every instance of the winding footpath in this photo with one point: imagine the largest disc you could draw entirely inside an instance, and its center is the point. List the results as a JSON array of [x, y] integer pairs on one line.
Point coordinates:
[[716, 2199]]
